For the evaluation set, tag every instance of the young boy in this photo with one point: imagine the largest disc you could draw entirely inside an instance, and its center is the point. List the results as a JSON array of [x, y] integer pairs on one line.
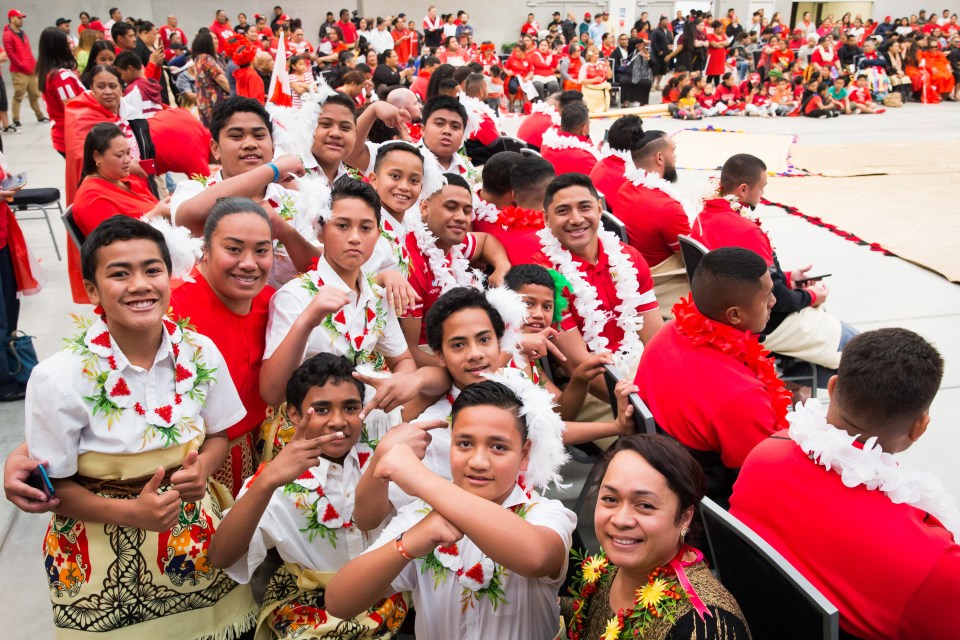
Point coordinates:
[[483, 557], [441, 249], [131, 420], [142, 95], [243, 144], [302, 505], [840, 95], [860, 99]]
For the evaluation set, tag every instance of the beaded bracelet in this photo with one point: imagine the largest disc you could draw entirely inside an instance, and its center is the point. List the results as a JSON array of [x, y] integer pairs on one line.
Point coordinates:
[[401, 550]]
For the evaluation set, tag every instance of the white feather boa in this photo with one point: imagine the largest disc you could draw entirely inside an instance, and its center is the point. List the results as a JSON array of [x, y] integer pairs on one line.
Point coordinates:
[[649, 180], [184, 249], [548, 110], [476, 110], [587, 302], [433, 179], [447, 275], [312, 197], [870, 466], [553, 139], [544, 429], [509, 304], [624, 155], [483, 210]]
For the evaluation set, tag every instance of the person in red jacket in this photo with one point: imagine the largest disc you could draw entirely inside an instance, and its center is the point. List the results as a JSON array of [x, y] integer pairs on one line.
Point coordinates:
[[22, 66], [569, 149], [249, 83], [830, 495], [712, 347]]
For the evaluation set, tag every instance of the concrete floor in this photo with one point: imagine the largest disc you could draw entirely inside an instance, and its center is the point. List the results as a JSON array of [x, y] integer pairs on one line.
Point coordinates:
[[868, 290]]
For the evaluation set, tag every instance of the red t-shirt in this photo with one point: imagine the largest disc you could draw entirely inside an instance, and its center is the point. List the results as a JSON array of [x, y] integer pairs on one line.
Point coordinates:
[[607, 177], [860, 95], [571, 159], [533, 127], [421, 277], [520, 244], [729, 95], [166, 31], [710, 403], [349, 31], [221, 32], [487, 133], [517, 66], [653, 220], [419, 85], [61, 85], [779, 57], [543, 65], [181, 142], [402, 48], [720, 226], [598, 276], [891, 570], [97, 199], [250, 84]]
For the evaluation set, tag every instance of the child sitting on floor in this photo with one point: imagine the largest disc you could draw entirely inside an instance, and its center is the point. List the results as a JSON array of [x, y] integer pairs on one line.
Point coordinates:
[[302, 504], [686, 107], [840, 95], [860, 99]]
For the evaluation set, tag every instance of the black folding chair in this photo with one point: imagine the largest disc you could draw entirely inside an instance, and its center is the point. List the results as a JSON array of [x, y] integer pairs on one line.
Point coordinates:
[[72, 229], [776, 599], [612, 223], [44, 200], [691, 251], [642, 416]]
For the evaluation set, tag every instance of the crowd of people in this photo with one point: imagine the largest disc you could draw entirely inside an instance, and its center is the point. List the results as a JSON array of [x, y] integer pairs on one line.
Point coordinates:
[[365, 332]]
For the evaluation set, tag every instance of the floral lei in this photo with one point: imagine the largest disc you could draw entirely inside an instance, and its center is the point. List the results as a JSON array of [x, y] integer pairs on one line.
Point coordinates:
[[449, 271], [648, 180], [356, 348], [587, 303], [484, 580], [397, 245], [113, 394], [660, 597], [510, 218], [738, 207], [870, 466], [553, 139], [323, 519], [547, 110], [739, 345]]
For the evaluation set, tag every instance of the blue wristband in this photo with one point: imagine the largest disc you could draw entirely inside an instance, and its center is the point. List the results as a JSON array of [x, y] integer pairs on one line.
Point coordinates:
[[276, 171]]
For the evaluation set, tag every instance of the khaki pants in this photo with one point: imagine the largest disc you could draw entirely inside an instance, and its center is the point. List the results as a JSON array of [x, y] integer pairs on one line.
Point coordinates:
[[811, 334], [596, 97], [25, 84], [669, 284]]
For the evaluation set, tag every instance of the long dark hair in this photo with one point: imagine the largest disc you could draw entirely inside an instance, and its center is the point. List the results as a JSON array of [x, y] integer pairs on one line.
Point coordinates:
[[203, 43], [88, 75], [439, 74], [98, 141], [53, 53]]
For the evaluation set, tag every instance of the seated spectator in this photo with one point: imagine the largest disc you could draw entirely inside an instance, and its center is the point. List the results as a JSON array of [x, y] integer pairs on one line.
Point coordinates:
[[569, 149], [861, 100], [545, 115], [141, 97], [830, 496], [607, 174], [712, 347]]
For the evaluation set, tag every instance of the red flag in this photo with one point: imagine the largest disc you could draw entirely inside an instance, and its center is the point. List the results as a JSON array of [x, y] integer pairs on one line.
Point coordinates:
[[280, 92]]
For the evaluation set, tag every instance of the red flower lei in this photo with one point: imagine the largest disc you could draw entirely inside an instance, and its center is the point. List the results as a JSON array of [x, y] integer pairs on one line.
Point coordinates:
[[520, 219], [740, 345]]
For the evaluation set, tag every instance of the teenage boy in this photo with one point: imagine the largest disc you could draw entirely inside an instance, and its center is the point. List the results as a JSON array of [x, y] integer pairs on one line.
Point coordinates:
[[569, 149], [243, 144], [334, 137], [142, 95], [301, 504], [441, 249], [133, 405]]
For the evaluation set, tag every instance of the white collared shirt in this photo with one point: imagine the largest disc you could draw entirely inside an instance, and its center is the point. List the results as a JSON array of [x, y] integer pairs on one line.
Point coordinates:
[[61, 424], [281, 199], [459, 164], [531, 610], [289, 302], [384, 256], [285, 524]]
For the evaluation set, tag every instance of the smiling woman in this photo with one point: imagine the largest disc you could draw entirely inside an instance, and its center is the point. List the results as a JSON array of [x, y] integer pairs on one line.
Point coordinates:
[[229, 302], [646, 580]]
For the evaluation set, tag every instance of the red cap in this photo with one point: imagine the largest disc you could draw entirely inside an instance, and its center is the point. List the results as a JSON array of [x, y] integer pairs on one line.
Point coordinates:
[[15, 13], [283, 18], [887, 19], [586, 15], [96, 24]]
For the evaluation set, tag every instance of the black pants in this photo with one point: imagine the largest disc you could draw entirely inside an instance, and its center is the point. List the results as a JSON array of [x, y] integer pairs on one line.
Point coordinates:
[[816, 113], [9, 316]]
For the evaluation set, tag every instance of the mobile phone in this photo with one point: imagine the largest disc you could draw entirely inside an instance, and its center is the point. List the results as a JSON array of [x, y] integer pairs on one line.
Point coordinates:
[[812, 279], [12, 183], [38, 479]]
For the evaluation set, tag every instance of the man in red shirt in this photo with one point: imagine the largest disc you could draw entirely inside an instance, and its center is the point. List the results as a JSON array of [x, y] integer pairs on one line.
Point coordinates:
[[798, 327], [22, 66], [607, 174], [569, 149], [221, 30], [530, 27], [171, 28], [878, 540], [348, 29], [402, 42], [705, 377]]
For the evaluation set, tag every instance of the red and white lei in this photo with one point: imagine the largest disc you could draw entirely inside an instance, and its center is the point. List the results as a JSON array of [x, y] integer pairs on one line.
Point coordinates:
[[834, 449], [547, 110], [553, 139], [640, 178], [625, 155], [587, 302], [738, 207], [449, 271]]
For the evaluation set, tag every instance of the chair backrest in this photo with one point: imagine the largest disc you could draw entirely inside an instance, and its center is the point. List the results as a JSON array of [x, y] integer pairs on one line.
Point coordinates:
[[72, 229], [612, 223], [642, 416], [530, 153], [692, 251], [777, 601]]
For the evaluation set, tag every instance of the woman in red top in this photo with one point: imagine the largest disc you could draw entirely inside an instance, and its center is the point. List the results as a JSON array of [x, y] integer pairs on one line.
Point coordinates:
[[825, 56], [716, 53], [229, 302], [595, 77], [607, 45], [544, 70], [519, 69], [570, 68], [58, 80]]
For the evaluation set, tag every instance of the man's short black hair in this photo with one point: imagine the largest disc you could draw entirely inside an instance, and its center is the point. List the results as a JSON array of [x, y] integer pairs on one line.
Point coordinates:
[[233, 105], [573, 116], [454, 300], [529, 175], [349, 187], [742, 168], [128, 59], [566, 181], [887, 379], [120, 29], [118, 228], [456, 180], [568, 97], [724, 278], [396, 145], [444, 103], [490, 394], [625, 132], [461, 73], [647, 144], [496, 172], [342, 100], [317, 371]]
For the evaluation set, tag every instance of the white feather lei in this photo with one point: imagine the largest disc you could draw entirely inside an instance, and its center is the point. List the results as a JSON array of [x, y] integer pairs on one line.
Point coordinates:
[[624, 155], [871, 467], [313, 197], [433, 179], [476, 109], [553, 139], [587, 302], [484, 211], [548, 110], [544, 428], [293, 128], [649, 180], [184, 249], [509, 304]]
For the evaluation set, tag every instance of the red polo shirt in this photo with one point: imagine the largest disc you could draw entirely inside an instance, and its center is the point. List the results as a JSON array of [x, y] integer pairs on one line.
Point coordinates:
[[607, 176], [421, 277], [520, 244], [349, 31], [705, 399], [570, 160], [533, 127], [598, 275], [891, 570], [720, 226], [653, 220]]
